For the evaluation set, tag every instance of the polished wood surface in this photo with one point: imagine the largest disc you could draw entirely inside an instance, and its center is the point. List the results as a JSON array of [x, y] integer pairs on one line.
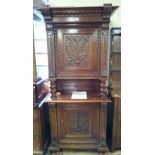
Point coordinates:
[[78, 61], [67, 99]]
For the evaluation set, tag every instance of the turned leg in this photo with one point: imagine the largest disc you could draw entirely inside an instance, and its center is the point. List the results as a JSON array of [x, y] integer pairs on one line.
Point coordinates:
[[103, 88], [53, 87]]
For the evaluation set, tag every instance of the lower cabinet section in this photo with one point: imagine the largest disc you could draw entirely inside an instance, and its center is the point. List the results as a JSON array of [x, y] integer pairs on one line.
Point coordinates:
[[114, 124], [78, 126], [41, 130]]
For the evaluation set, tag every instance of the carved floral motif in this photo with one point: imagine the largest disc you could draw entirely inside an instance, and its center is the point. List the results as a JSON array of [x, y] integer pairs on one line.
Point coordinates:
[[79, 122], [76, 50]]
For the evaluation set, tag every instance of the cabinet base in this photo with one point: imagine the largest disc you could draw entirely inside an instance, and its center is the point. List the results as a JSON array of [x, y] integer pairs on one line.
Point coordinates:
[[83, 147]]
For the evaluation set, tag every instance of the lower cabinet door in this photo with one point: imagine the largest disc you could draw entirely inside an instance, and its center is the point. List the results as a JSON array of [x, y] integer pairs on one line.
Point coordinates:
[[78, 123]]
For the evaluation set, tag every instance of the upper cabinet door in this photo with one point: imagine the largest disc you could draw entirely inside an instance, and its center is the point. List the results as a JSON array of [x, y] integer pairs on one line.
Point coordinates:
[[77, 52]]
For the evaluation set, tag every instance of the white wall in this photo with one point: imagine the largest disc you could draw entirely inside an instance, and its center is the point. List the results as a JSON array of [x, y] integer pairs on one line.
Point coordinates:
[[115, 19], [76, 3]]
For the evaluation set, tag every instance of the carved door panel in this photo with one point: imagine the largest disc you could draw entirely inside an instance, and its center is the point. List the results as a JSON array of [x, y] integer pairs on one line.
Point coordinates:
[[77, 52], [78, 123]]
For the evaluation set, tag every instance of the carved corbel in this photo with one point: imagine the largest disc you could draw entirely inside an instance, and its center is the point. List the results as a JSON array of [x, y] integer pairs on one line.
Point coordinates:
[[49, 27], [105, 26], [107, 10], [46, 12]]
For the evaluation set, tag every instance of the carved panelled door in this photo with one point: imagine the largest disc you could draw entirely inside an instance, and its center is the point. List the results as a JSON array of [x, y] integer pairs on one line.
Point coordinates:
[[78, 123], [77, 53]]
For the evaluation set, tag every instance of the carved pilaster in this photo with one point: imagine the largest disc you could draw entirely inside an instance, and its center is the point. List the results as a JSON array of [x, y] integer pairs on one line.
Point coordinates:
[[104, 50], [53, 123], [51, 53], [107, 9], [103, 121]]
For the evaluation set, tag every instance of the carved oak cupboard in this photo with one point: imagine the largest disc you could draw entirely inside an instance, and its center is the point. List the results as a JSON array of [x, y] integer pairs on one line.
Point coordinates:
[[78, 61]]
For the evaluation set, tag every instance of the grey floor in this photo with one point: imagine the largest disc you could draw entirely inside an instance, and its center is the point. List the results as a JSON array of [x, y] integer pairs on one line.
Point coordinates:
[[85, 153]]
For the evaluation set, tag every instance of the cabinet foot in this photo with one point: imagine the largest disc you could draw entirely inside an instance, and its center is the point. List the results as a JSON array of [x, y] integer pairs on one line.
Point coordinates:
[[102, 149], [54, 150]]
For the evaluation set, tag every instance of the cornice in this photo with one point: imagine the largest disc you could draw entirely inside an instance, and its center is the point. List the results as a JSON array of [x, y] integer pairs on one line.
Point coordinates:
[[104, 12]]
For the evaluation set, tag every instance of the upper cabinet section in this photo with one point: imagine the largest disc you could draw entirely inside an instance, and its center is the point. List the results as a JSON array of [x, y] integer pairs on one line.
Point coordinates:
[[78, 40]]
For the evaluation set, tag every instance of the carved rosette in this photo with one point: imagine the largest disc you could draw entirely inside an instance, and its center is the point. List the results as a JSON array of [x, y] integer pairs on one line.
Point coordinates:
[[53, 88]]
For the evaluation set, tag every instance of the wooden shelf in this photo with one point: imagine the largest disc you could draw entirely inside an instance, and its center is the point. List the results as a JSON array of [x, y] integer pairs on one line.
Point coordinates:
[[91, 98]]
